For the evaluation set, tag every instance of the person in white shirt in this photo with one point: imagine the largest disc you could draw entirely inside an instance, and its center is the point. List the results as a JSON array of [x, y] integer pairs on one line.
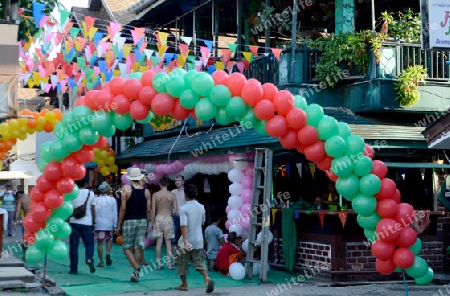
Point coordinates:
[[9, 204], [181, 201], [105, 222], [82, 228]]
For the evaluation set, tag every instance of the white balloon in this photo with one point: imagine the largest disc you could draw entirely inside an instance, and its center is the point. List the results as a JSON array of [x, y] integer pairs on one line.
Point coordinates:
[[244, 234], [233, 216], [258, 237], [150, 168], [235, 188], [235, 202], [236, 228], [237, 271], [244, 245], [235, 175], [240, 165], [255, 268]]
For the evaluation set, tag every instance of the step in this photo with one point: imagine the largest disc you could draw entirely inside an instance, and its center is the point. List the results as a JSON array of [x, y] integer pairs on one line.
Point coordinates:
[[16, 273], [12, 284], [8, 260]]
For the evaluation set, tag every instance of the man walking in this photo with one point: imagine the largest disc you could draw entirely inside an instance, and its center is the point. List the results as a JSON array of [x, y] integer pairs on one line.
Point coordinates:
[[164, 203], [22, 204], [192, 217], [179, 193]]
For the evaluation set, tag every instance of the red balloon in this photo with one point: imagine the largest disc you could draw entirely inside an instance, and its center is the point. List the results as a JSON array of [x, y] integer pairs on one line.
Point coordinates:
[[147, 77], [36, 194], [162, 104], [84, 155], [43, 184], [368, 151], [81, 101], [277, 126], [397, 196], [121, 104], [325, 163], [403, 258], [106, 86], [407, 237], [235, 83], [104, 100], [179, 112], [132, 87], [387, 189], [388, 229], [405, 214], [116, 85], [69, 165], [331, 175], [53, 199], [269, 91], [383, 250], [385, 267], [379, 168], [90, 99], [65, 185], [264, 110], [100, 143], [252, 92], [192, 113], [80, 173], [29, 237], [40, 212], [307, 135], [300, 148], [316, 151], [138, 110], [296, 118], [289, 140], [147, 94], [220, 77], [284, 102], [30, 225], [387, 208]]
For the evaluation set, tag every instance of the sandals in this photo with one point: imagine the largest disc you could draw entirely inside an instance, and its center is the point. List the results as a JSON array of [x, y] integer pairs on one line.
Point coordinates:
[[100, 264], [135, 276], [181, 288], [108, 260], [91, 266], [210, 286]]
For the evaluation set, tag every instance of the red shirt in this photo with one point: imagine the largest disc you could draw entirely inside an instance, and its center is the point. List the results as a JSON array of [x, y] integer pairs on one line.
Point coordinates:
[[223, 257]]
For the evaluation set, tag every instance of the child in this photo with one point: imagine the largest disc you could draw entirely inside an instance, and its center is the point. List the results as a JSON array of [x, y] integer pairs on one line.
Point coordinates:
[[213, 240], [230, 253]]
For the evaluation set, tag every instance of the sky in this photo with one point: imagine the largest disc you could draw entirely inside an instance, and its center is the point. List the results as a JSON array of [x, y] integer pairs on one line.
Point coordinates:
[[69, 3]]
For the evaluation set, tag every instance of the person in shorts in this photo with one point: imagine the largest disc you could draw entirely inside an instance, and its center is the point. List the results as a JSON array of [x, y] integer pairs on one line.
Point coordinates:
[[214, 240], [192, 217], [105, 222]]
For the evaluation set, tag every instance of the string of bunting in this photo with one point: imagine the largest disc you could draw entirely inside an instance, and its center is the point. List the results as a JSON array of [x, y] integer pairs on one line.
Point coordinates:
[[64, 57]]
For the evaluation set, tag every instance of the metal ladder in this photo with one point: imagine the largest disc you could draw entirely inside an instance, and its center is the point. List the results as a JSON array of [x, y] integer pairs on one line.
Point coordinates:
[[260, 216]]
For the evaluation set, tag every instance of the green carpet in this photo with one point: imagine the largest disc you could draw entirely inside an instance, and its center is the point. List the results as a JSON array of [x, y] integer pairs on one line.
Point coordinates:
[[115, 278]]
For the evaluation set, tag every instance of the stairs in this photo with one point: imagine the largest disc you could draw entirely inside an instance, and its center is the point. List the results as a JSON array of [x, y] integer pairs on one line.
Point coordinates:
[[14, 275]]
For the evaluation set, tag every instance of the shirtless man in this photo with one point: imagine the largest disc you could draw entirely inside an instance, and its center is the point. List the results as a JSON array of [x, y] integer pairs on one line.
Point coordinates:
[[164, 205], [22, 204]]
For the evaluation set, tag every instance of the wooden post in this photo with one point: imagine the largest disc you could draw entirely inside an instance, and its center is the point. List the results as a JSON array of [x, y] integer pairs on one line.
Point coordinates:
[[239, 29]]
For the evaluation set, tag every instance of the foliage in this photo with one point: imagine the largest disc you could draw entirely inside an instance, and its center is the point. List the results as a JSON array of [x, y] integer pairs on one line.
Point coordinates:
[[405, 26], [281, 21], [337, 49], [406, 88]]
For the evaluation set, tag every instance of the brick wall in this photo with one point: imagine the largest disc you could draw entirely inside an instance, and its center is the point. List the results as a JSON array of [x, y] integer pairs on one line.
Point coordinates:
[[309, 254], [359, 257]]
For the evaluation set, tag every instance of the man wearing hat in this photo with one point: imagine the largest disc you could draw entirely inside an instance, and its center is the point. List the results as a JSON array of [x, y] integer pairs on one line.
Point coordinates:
[[135, 214], [9, 204]]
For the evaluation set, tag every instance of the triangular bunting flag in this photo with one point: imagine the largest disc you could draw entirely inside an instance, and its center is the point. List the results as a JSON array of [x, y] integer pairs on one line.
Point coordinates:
[[148, 53], [120, 41], [205, 54], [161, 50], [254, 49], [184, 49], [162, 38], [312, 168], [274, 211], [126, 50], [80, 43], [97, 38], [89, 20], [137, 34], [226, 55], [68, 27], [92, 32], [74, 32], [343, 217], [230, 66], [38, 14], [321, 217], [276, 52], [240, 66], [232, 47], [220, 65], [64, 16], [248, 56], [181, 60], [186, 40], [113, 28], [209, 44]]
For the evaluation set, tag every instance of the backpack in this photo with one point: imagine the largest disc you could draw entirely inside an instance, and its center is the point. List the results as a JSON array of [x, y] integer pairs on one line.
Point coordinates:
[[80, 211]]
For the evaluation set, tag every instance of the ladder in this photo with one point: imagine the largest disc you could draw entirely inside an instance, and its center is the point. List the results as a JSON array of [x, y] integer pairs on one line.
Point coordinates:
[[260, 217]]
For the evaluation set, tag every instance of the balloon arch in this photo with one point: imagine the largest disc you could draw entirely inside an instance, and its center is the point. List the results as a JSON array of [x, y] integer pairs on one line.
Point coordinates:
[[226, 98]]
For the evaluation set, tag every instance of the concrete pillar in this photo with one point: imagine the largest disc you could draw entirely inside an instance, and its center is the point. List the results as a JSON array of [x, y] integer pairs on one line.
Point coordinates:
[[345, 16]]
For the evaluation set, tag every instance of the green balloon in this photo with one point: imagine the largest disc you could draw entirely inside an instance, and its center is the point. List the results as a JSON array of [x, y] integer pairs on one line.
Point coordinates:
[[44, 239], [371, 235], [45, 150], [122, 121], [417, 247], [41, 164], [418, 269], [314, 114], [54, 223], [63, 232], [398, 269], [34, 255], [222, 117], [189, 77], [364, 205], [81, 115], [72, 195], [58, 251], [58, 150], [67, 120], [59, 130], [188, 99], [344, 130], [300, 102], [159, 82], [426, 279], [249, 119], [178, 72], [355, 146], [261, 127], [101, 120], [362, 166], [342, 166], [88, 136], [327, 127], [220, 95], [175, 86], [205, 109], [369, 184], [335, 146], [369, 222], [202, 84], [63, 212], [108, 131], [137, 75], [348, 186], [72, 142], [146, 119], [236, 107]]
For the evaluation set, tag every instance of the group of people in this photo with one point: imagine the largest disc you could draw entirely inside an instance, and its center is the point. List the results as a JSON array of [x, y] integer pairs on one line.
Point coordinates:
[[15, 205]]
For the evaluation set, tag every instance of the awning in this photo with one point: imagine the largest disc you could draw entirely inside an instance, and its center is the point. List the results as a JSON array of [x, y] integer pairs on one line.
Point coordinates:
[[14, 175]]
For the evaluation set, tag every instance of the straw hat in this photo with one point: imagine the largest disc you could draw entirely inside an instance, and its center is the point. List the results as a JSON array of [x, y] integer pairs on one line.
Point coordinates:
[[135, 174]]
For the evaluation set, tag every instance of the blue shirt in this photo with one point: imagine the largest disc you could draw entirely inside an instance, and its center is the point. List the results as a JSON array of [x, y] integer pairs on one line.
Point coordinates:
[[9, 202]]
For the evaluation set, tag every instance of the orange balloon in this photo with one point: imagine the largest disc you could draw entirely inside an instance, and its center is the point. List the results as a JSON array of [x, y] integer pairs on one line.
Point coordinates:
[[8, 145], [2, 147], [58, 114], [31, 123], [119, 240], [48, 127], [13, 141], [26, 112], [44, 111]]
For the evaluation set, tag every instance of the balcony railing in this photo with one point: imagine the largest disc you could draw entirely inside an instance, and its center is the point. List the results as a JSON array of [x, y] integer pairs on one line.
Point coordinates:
[[264, 68]]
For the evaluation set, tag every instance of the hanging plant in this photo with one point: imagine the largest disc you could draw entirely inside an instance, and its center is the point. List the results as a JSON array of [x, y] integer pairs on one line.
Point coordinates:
[[407, 87]]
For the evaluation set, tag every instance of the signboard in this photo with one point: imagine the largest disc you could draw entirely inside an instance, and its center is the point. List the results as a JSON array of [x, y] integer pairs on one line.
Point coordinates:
[[435, 16]]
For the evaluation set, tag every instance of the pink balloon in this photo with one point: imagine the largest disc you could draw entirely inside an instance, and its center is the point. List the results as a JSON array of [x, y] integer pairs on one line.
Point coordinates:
[[245, 223], [227, 209], [246, 209], [124, 180], [232, 158], [247, 182], [249, 170], [247, 195], [227, 225]]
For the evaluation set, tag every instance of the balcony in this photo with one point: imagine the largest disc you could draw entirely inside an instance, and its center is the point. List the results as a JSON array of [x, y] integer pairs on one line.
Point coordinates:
[[361, 92]]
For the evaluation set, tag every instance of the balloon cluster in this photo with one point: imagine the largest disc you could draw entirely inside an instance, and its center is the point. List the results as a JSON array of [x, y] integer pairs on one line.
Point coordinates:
[[104, 157], [227, 98]]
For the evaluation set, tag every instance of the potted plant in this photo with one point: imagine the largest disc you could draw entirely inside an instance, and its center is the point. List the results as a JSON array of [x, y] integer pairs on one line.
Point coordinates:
[[407, 87]]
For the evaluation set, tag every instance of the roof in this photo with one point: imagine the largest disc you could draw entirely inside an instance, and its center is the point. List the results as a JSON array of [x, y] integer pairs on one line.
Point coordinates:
[[125, 12], [438, 132]]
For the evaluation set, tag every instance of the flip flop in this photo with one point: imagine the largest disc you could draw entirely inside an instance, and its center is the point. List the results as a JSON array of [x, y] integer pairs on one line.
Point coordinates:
[[181, 288], [108, 260], [135, 276], [100, 265], [210, 287], [91, 266]]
